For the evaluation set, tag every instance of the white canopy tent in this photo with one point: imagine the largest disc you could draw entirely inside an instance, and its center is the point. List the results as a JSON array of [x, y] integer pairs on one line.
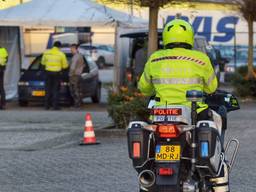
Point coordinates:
[[64, 13]]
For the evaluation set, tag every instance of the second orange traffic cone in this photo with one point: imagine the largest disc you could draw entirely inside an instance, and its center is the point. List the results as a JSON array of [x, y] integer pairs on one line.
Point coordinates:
[[89, 135]]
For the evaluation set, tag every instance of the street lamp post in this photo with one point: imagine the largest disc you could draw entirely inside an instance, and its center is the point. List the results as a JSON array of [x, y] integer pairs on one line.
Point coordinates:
[[235, 52]]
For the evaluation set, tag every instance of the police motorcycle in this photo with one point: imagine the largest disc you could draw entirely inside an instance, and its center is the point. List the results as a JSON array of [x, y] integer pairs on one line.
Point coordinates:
[[175, 153]]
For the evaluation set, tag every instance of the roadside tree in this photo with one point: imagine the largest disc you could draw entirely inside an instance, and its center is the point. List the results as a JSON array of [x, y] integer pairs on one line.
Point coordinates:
[[247, 8]]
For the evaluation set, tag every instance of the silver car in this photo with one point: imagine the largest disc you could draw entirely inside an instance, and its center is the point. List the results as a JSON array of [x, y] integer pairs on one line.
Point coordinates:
[[103, 55]]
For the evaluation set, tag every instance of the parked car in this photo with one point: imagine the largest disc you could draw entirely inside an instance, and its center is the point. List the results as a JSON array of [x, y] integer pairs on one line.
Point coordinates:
[[31, 86], [103, 55], [227, 51], [241, 60]]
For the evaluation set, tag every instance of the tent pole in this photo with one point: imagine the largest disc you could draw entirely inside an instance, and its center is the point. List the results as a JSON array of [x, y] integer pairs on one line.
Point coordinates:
[[116, 82], [21, 46]]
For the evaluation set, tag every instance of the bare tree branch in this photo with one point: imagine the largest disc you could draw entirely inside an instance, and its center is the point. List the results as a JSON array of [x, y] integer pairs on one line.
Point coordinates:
[[247, 8]]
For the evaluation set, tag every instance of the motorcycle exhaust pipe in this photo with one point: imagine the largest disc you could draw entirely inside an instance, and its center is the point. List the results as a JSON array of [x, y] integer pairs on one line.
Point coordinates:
[[147, 178]]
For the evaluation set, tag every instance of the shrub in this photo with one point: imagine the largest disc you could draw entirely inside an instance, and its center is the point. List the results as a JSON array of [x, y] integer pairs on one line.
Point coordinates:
[[127, 105], [243, 87]]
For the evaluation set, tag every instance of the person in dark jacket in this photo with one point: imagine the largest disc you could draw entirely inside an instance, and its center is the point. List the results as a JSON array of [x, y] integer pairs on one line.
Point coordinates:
[[75, 71]]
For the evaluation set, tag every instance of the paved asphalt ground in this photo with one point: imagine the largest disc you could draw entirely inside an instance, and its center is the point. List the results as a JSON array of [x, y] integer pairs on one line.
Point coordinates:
[[39, 151]]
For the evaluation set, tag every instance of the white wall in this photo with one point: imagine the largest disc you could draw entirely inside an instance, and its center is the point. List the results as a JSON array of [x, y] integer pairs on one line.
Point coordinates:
[[35, 40], [103, 35]]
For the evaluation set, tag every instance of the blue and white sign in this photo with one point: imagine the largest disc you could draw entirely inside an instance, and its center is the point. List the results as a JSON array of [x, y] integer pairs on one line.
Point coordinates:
[[225, 28], [218, 26]]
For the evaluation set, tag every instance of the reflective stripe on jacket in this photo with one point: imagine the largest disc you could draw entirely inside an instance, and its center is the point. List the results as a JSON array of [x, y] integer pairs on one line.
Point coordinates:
[[54, 60], [170, 73], [3, 56]]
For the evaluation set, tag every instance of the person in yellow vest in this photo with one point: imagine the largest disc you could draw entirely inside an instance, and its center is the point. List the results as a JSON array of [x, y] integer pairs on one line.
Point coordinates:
[[171, 72], [3, 61], [54, 62]]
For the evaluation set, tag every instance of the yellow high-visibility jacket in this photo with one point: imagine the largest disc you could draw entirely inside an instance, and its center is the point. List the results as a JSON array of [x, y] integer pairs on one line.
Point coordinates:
[[3, 56], [170, 73], [54, 60]]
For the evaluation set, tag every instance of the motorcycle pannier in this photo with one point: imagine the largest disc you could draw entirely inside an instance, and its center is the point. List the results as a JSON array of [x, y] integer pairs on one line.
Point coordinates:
[[209, 148], [138, 143]]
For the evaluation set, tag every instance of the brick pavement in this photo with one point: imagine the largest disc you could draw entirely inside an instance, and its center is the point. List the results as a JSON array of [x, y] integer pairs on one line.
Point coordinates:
[[67, 167], [75, 168]]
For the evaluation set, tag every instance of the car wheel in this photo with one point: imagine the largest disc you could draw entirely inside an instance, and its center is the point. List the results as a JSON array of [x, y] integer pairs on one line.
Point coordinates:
[[23, 103], [101, 62], [97, 94]]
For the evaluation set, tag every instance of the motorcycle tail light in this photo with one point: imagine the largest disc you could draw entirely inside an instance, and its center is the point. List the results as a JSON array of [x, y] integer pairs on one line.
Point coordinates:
[[166, 171], [136, 150], [168, 131]]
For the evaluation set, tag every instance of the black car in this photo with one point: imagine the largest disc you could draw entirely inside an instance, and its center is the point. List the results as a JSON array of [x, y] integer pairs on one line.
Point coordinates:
[[31, 86]]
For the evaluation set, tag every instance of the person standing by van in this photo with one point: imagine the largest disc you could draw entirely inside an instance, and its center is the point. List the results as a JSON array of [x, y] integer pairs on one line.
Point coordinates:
[[3, 61], [75, 71]]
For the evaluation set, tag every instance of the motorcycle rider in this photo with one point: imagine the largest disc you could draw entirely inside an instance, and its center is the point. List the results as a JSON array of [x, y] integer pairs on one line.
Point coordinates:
[[171, 72]]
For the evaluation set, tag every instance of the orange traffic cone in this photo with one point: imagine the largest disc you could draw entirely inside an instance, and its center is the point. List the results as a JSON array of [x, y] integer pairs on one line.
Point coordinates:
[[89, 135]]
